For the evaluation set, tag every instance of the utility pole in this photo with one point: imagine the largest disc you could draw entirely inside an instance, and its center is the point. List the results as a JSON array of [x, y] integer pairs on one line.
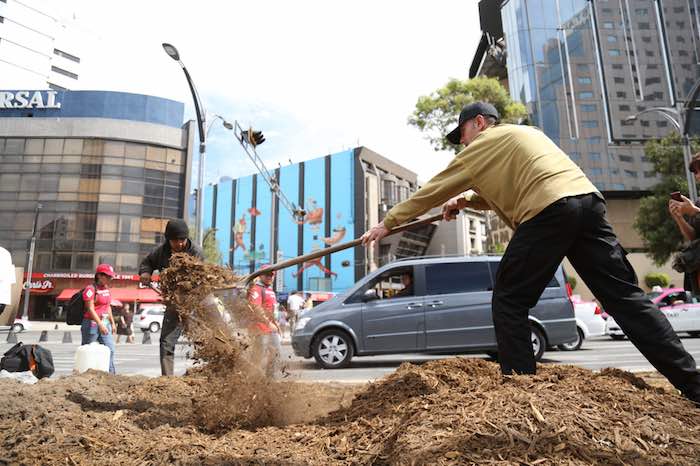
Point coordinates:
[[30, 263]]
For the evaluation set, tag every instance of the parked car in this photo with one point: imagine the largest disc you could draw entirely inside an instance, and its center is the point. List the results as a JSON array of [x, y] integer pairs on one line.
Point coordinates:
[[444, 306], [680, 307], [149, 317], [589, 323], [21, 325]]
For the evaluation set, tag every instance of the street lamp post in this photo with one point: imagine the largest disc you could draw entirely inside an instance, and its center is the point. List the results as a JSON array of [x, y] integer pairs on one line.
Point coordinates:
[[30, 264], [679, 118], [199, 109]]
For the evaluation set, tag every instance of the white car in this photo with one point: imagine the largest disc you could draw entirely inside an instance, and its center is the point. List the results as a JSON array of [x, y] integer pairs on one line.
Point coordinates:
[[21, 325], [680, 307], [589, 322], [149, 317]]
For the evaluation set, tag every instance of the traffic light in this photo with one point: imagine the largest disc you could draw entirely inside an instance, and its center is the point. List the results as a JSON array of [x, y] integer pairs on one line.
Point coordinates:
[[254, 138]]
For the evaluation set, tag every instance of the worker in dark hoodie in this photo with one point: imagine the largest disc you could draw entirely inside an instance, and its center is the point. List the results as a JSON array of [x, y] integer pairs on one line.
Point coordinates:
[[176, 240]]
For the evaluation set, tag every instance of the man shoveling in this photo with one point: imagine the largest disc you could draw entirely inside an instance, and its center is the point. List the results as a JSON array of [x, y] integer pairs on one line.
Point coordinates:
[[556, 212]]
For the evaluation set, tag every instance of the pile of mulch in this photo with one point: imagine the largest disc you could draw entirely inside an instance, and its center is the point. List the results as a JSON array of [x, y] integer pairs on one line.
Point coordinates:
[[228, 410], [454, 411]]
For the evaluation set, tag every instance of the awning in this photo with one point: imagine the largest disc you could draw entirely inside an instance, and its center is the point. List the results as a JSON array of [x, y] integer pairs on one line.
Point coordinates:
[[129, 295]]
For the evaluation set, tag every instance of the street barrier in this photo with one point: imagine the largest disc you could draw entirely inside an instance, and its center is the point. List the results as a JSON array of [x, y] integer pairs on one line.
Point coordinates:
[[67, 338], [11, 337], [44, 336], [146, 338]]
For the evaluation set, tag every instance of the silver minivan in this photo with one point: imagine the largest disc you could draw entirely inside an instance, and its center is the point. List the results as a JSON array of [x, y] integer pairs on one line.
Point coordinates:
[[425, 305]]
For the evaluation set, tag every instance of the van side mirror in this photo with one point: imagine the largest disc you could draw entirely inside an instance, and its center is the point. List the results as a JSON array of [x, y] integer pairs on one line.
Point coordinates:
[[370, 295]]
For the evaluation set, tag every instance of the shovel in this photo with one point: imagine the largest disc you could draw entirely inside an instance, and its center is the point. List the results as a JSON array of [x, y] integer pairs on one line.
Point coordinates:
[[245, 280]]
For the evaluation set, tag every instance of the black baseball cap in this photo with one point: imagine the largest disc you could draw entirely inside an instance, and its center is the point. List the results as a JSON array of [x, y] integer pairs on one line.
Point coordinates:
[[469, 112]]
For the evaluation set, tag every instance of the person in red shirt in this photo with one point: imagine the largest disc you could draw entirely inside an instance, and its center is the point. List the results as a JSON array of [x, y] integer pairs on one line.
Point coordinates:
[[98, 321], [267, 333]]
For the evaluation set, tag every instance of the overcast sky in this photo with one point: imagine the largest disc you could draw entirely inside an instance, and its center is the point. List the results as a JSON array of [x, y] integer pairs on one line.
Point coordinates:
[[316, 76]]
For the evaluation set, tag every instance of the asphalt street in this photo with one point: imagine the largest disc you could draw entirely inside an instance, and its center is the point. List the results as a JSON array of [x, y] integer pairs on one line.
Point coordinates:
[[142, 359]]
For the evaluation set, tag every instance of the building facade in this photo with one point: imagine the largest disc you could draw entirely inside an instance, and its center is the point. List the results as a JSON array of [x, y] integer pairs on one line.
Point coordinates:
[[583, 67], [107, 169], [40, 45], [342, 194]]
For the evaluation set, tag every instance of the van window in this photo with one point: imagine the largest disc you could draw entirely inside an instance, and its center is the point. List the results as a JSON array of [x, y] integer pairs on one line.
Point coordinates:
[[554, 283], [394, 283], [459, 277]]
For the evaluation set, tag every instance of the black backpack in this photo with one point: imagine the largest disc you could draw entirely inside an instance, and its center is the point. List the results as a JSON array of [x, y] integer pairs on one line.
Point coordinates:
[[75, 308], [21, 358]]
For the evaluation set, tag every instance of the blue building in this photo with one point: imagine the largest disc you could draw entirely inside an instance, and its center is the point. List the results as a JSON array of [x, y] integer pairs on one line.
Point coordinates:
[[343, 194]]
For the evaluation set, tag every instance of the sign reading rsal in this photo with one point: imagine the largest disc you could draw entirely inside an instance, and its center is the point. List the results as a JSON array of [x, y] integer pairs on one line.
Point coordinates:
[[28, 99]]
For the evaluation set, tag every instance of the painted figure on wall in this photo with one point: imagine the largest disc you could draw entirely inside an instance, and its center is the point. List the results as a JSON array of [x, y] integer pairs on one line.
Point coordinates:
[[239, 230]]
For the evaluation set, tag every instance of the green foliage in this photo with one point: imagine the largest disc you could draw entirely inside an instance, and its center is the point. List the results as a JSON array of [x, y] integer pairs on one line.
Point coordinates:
[[437, 114], [657, 278], [571, 280], [210, 246], [498, 248], [654, 224]]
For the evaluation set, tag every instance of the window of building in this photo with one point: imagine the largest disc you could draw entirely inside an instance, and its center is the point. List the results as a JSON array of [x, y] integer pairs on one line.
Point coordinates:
[[646, 39], [661, 124], [616, 66], [624, 108], [589, 108], [584, 80], [594, 156], [614, 52], [641, 11], [652, 66], [589, 123], [73, 147], [649, 174], [626, 158], [582, 67], [631, 173], [66, 55], [460, 277], [595, 171], [63, 72], [608, 25], [680, 39], [680, 24], [678, 9], [615, 171], [594, 140], [621, 95], [644, 123], [643, 26], [585, 95], [575, 156], [682, 53], [649, 53], [612, 38]]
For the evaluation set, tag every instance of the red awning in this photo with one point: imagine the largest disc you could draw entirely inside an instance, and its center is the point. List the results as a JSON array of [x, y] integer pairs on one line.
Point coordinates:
[[129, 295]]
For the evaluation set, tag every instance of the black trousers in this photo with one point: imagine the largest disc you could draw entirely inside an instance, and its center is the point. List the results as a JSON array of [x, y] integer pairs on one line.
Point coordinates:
[[169, 334], [576, 227]]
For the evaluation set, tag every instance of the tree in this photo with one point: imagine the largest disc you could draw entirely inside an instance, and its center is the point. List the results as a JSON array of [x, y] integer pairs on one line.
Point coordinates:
[[436, 114], [653, 222], [210, 246]]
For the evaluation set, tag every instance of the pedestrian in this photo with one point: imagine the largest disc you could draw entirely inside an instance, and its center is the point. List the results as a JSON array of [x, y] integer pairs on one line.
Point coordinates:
[[555, 212], [124, 319], [295, 304], [176, 240], [98, 321], [680, 208], [266, 332], [308, 303]]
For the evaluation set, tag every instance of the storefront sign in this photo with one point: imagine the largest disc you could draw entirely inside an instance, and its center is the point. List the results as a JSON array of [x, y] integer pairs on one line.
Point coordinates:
[[29, 99], [74, 275], [40, 286]]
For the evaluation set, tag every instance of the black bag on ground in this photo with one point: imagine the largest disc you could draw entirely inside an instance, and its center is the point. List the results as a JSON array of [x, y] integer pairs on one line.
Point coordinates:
[[687, 260], [75, 308], [21, 358]]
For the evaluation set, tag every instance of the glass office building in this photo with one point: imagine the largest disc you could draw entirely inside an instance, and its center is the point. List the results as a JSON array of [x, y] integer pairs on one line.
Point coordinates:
[[582, 67], [108, 169]]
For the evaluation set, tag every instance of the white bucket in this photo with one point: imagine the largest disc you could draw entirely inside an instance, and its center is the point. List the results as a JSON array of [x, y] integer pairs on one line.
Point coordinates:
[[92, 356]]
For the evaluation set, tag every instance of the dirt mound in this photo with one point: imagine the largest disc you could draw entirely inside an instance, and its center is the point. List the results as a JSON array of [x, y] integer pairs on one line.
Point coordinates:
[[455, 411]]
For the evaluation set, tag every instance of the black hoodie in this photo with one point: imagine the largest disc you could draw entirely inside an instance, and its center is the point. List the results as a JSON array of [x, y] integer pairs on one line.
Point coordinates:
[[159, 258]]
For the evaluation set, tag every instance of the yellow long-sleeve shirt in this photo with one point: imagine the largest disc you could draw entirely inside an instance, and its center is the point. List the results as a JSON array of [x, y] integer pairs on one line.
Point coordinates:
[[516, 171]]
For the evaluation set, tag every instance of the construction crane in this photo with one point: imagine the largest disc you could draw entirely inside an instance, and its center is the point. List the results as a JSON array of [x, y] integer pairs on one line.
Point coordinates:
[[249, 140]]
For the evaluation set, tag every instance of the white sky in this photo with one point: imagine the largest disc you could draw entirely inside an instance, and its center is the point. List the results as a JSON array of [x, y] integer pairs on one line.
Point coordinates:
[[316, 76]]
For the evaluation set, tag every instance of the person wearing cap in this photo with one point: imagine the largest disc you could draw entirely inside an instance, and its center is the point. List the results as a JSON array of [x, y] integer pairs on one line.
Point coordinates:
[[555, 212], [689, 227], [98, 321], [176, 240], [266, 331]]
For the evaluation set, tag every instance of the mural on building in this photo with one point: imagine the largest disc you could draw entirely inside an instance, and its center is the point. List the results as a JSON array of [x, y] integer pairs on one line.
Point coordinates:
[[239, 230]]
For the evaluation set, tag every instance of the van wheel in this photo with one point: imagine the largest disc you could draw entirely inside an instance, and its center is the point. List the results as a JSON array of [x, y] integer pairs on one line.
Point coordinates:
[[333, 349], [539, 343], [154, 327], [574, 345]]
